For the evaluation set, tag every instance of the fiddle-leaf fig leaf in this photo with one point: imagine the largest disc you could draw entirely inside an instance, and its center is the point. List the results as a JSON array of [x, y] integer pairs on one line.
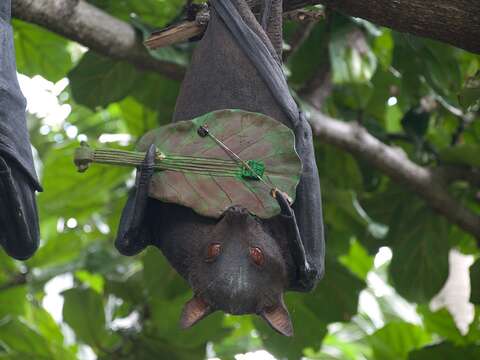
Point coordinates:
[[222, 181]]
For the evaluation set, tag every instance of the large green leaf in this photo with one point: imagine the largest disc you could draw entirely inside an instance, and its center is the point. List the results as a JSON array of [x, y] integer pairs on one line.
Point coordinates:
[[419, 266], [419, 240], [217, 184], [441, 323], [69, 194], [446, 351], [469, 96], [156, 12], [475, 282], [40, 52], [465, 154], [23, 340], [99, 81], [83, 312], [395, 340]]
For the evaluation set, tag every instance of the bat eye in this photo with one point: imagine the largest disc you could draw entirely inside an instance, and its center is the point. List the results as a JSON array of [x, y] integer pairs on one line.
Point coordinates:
[[213, 251], [257, 256]]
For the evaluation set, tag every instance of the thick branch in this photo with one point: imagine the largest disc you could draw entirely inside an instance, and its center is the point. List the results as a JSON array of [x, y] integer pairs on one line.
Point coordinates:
[[427, 184], [456, 22], [93, 28]]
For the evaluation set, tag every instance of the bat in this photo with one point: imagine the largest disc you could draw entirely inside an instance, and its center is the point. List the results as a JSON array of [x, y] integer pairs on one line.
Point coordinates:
[[19, 230], [239, 264]]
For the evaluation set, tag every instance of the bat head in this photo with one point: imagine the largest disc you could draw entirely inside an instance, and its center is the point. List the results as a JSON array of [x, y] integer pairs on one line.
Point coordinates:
[[239, 269]]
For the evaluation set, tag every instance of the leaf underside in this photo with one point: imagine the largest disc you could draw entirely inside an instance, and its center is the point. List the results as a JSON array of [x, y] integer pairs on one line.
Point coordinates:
[[251, 136]]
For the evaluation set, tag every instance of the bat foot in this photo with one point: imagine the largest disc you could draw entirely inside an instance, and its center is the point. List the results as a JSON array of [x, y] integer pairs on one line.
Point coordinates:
[[133, 234]]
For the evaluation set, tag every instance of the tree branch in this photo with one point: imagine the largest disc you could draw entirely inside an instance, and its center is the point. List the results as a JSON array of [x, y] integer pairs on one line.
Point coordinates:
[[456, 22], [427, 184], [95, 29]]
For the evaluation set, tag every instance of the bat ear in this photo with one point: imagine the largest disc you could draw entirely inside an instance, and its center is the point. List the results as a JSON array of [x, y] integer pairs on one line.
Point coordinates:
[[194, 311], [278, 318]]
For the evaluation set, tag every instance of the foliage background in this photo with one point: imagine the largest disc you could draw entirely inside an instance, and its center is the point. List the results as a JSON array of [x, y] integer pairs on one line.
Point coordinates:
[[385, 247]]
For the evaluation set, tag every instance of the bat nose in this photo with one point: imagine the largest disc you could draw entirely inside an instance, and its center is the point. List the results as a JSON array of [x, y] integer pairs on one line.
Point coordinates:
[[236, 214], [236, 210]]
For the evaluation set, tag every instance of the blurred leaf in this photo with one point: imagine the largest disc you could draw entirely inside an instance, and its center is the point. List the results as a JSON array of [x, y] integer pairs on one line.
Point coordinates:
[[83, 312], [351, 58], [469, 96], [70, 194], [395, 340], [475, 282], [157, 93], [414, 271], [446, 351], [336, 296], [442, 323], [13, 301], [157, 12], [98, 81], [357, 260], [383, 48], [138, 118], [23, 341], [464, 154], [40, 52]]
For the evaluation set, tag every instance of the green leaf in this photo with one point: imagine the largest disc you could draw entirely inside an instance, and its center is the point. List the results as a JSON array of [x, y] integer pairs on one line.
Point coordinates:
[[357, 260], [475, 282], [13, 301], [441, 323], [216, 181], [464, 154], [415, 271], [138, 118], [40, 52], [69, 194], [98, 81], [157, 12], [446, 351], [336, 297], [23, 340], [395, 340], [158, 93], [469, 96], [419, 240], [83, 312]]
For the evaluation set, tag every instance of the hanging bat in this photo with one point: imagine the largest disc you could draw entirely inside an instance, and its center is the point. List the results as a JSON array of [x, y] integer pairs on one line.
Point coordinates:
[[19, 234], [239, 263]]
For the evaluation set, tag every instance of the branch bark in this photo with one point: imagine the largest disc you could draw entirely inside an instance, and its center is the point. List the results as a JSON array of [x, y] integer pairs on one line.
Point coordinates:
[[456, 22], [426, 183], [79, 21]]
